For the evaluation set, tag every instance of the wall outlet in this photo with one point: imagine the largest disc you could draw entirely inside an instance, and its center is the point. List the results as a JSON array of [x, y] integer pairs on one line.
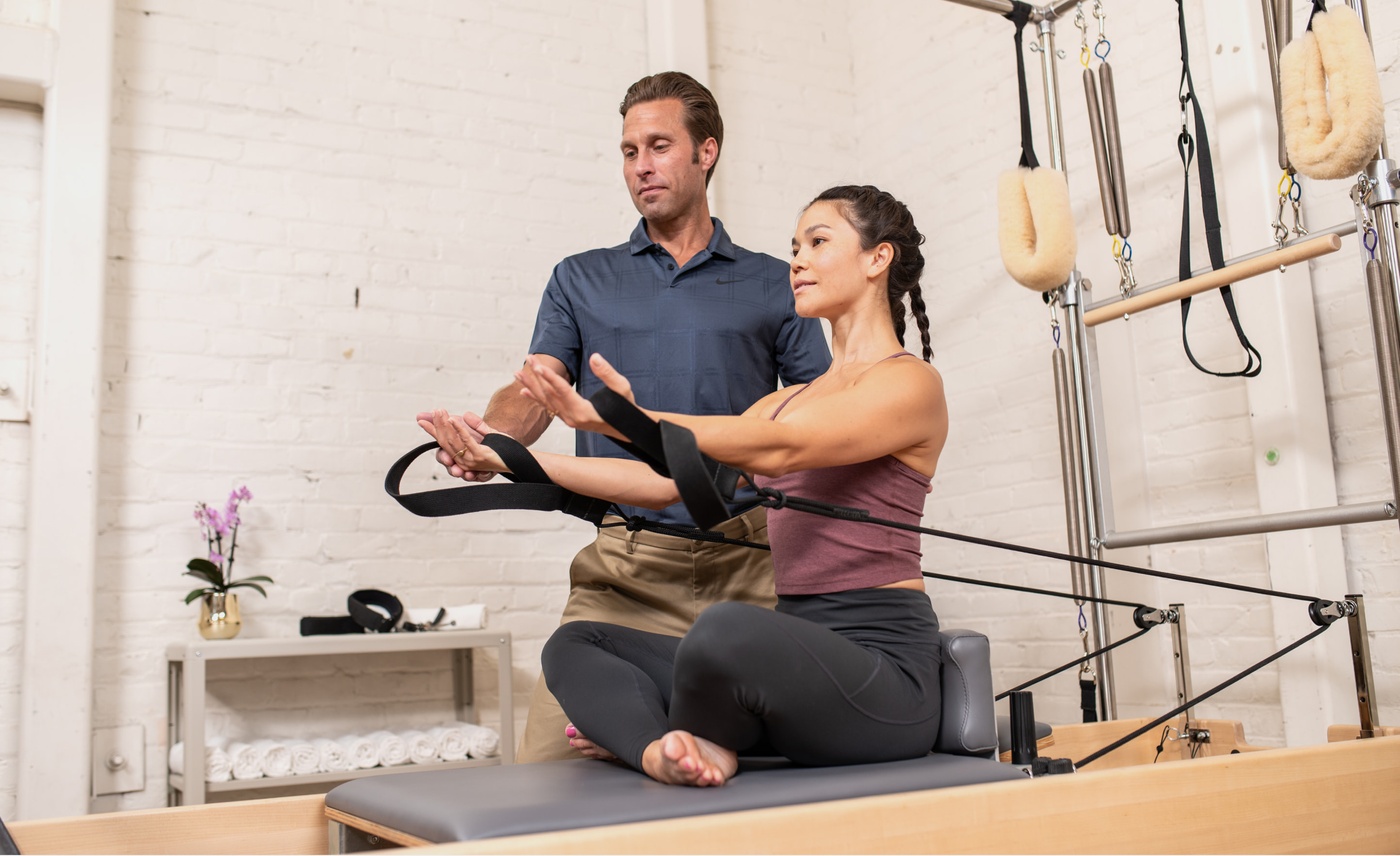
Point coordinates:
[[118, 760]]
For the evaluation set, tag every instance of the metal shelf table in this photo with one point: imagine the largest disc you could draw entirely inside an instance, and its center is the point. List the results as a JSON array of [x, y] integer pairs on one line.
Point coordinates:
[[186, 675]]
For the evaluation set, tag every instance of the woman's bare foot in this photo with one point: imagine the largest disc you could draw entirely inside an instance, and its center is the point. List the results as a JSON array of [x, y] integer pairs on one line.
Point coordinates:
[[681, 758], [587, 747]]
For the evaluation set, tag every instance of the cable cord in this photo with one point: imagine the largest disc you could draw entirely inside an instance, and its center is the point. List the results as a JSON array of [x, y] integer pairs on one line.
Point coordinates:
[[1200, 698], [773, 498], [1071, 664]]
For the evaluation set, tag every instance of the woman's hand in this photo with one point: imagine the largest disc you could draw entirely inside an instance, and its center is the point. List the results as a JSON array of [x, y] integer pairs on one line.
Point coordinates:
[[444, 457], [457, 437], [556, 395]]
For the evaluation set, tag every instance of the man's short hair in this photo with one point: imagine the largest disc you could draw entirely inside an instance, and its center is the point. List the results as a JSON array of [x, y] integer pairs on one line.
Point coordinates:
[[701, 113]]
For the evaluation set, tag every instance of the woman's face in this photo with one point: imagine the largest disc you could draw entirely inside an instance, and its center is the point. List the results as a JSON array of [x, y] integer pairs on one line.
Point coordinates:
[[829, 269]]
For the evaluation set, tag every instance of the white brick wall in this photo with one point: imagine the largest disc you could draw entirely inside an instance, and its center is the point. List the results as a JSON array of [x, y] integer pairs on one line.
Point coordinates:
[[32, 12], [324, 223], [21, 151]]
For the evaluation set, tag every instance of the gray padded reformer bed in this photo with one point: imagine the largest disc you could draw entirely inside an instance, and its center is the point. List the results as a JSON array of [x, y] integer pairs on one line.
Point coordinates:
[[439, 806]]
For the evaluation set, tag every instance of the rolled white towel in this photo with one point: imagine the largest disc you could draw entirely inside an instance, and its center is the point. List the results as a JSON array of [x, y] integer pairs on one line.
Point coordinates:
[[361, 753], [217, 766], [482, 742], [451, 741], [392, 749], [247, 761], [276, 760], [332, 756], [306, 759], [422, 749]]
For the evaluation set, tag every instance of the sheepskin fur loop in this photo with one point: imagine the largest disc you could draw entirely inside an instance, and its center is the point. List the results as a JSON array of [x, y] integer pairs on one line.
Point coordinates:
[[1330, 95], [1038, 243]]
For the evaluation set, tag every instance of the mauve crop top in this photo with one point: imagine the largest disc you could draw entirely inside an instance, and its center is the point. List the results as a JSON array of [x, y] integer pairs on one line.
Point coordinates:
[[818, 555]]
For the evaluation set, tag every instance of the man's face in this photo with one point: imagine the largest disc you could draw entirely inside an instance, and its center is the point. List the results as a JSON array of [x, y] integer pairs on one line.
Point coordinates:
[[664, 171]]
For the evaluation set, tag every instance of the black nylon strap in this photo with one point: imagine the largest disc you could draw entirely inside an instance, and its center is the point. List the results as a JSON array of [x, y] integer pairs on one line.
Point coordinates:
[[1021, 13], [1317, 6], [489, 497], [694, 480], [643, 431], [704, 483], [1089, 700], [1210, 212]]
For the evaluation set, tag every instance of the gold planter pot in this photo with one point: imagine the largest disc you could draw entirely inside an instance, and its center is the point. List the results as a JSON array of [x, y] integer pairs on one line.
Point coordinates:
[[218, 616]]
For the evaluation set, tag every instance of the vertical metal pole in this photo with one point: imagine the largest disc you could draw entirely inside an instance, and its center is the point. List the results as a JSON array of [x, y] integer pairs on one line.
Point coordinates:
[[1080, 383], [1359, 7], [1090, 508], [1383, 328], [1070, 470], [1361, 665], [1181, 661], [1271, 39], [1051, 76], [1383, 201]]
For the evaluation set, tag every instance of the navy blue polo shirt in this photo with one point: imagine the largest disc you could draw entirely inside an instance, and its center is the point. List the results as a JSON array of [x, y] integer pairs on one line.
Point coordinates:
[[708, 338]]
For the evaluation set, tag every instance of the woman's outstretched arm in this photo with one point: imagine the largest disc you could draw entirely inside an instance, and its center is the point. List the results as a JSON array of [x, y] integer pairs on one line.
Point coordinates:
[[895, 408], [626, 482]]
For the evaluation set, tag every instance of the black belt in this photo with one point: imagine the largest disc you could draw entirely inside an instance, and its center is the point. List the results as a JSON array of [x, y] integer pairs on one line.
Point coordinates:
[[363, 617]]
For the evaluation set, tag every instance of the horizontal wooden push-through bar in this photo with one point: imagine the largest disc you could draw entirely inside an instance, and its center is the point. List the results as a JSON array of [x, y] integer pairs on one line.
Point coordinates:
[[1289, 255]]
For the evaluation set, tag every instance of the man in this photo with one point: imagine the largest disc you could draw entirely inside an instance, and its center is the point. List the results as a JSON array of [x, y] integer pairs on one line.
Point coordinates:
[[700, 326]]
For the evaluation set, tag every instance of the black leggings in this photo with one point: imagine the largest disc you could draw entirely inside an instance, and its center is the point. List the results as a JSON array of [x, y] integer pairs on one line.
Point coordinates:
[[844, 678]]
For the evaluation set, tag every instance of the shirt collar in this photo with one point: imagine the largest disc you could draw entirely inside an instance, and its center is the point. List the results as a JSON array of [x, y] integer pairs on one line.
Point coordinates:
[[720, 244]]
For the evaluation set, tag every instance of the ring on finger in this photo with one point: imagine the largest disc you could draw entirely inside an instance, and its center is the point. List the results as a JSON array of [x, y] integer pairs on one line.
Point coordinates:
[[459, 453]]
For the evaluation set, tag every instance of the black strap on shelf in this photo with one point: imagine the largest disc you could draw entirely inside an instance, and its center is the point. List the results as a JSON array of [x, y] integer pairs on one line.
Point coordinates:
[[1210, 211]]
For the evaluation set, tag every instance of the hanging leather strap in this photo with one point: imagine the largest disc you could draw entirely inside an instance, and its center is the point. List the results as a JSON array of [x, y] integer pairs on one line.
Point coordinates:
[[1210, 211], [1021, 13], [1089, 699]]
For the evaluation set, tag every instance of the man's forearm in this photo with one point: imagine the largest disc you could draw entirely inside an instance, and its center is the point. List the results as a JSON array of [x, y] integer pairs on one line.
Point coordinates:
[[512, 413]]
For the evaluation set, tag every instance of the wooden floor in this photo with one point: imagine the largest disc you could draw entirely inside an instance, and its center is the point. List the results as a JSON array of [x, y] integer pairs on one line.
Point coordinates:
[[1343, 797]]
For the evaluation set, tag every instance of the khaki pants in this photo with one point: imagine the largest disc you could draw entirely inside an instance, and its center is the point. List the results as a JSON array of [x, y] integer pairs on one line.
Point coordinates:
[[653, 582]]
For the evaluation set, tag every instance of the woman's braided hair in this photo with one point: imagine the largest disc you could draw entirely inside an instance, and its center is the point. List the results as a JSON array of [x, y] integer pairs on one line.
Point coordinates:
[[880, 218]]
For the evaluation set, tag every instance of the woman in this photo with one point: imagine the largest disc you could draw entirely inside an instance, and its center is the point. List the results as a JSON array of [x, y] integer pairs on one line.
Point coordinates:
[[845, 671]]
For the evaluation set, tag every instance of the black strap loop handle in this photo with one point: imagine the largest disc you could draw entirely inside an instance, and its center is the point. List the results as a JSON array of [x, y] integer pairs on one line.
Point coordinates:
[[1210, 211], [527, 493]]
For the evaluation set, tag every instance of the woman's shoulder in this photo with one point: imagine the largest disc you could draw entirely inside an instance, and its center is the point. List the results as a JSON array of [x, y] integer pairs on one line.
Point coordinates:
[[904, 370]]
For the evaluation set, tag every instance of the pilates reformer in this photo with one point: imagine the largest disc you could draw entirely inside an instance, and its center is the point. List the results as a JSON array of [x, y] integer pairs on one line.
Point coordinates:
[[505, 801]]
